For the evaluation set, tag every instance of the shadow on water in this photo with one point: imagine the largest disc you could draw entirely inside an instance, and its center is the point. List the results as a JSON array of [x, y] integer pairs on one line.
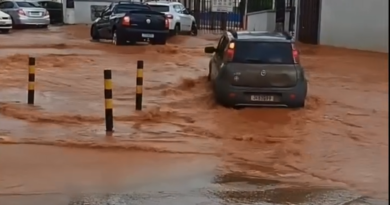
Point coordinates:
[[239, 178], [239, 189], [260, 190]]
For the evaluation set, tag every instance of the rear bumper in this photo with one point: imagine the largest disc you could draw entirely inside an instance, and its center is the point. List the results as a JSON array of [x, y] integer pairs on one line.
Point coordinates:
[[241, 96], [131, 34], [33, 21], [5, 27], [5, 24]]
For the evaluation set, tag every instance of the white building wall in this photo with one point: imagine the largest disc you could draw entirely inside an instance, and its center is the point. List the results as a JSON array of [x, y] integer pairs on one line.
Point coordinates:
[[356, 24], [84, 10], [265, 21]]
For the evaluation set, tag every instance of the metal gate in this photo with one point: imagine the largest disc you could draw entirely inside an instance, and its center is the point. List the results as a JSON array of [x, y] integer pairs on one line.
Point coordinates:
[[309, 16], [210, 20], [213, 21], [291, 24], [55, 10], [281, 6]]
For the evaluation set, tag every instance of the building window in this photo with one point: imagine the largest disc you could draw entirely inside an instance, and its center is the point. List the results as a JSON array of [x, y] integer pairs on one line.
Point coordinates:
[[69, 4]]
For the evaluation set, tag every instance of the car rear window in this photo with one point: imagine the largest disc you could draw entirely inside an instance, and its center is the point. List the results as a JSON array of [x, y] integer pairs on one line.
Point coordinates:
[[263, 52], [159, 8], [122, 8], [25, 4]]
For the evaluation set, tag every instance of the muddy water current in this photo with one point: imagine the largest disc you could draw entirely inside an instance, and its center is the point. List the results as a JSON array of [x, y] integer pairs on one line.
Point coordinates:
[[338, 141]]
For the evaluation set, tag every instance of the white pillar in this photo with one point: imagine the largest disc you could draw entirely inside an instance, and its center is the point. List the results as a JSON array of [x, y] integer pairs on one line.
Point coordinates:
[[296, 23], [69, 19], [68, 14], [245, 20]]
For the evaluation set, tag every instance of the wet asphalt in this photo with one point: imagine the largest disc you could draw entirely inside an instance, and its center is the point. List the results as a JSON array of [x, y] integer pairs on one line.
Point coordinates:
[[123, 178]]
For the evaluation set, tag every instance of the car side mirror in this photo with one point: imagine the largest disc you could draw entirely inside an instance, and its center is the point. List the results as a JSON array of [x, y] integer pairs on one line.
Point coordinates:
[[188, 11], [210, 50]]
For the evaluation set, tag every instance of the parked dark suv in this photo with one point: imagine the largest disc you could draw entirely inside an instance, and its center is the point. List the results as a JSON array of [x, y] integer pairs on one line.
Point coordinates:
[[256, 68]]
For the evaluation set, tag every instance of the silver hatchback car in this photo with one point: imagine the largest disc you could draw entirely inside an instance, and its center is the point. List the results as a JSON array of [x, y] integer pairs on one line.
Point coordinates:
[[257, 68], [25, 13]]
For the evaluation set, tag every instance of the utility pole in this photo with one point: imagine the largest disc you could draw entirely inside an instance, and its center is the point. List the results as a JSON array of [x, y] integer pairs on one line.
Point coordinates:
[[245, 15]]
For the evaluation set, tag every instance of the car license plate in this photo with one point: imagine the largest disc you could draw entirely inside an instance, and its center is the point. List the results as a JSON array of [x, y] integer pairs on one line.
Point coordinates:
[[35, 13], [262, 98], [147, 35]]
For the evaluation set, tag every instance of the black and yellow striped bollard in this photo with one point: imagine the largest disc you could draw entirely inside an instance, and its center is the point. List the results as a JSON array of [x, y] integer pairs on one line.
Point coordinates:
[[31, 81], [140, 79], [109, 114]]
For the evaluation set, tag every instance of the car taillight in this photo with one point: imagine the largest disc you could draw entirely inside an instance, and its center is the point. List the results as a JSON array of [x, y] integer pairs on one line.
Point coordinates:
[[169, 16], [126, 21], [21, 12], [230, 52], [167, 23], [295, 54]]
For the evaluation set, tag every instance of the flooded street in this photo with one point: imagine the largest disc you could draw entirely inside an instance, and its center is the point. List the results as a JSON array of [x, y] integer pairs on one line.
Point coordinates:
[[183, 148]]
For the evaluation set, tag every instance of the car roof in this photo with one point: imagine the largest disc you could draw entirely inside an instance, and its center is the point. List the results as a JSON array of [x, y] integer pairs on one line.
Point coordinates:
[[128, 2], [261, 36], [162, 3], [19, 1]]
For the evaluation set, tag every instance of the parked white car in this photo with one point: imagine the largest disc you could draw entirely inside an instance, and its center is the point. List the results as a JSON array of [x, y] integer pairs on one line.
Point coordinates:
[[180, 19], [5, 22]]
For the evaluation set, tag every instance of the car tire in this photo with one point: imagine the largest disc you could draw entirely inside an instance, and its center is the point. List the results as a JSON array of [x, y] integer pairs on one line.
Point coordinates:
[[14, 24], [94, 33], [5, 31], [117, 39], [300, 101], [209, 75], [218, 95], [221, 101], [194, 29], [176, 30]]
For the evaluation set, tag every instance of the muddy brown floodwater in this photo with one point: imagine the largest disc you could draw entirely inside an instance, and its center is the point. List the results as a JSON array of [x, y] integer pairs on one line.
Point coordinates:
[[183, 148]]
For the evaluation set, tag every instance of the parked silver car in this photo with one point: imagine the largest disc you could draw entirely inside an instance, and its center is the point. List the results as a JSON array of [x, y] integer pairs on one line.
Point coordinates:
[[25, 13]]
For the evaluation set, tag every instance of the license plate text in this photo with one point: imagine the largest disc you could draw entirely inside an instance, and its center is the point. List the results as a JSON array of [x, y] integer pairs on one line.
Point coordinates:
[[147, 35], [262, 98]]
